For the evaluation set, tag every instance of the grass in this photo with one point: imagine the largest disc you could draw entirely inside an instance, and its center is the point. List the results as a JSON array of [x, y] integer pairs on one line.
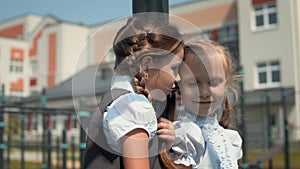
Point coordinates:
[[279, 160], [16, 164]]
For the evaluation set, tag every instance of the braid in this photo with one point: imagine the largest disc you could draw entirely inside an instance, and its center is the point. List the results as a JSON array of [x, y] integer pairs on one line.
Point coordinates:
[[139, 84]]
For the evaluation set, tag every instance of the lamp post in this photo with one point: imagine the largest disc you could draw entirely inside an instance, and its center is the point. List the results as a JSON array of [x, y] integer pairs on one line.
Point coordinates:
[[160, 6], [286, 130], [150, 6], [82, 146], [269, 134], [43, 105], [2, 125], [242, 124]]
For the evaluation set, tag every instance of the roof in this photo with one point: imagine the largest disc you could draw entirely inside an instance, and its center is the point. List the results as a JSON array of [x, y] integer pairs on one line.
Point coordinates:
[[258, 97], [94, 79]]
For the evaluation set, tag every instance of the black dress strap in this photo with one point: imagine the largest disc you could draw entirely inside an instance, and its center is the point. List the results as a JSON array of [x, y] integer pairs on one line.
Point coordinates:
[[93, 151]]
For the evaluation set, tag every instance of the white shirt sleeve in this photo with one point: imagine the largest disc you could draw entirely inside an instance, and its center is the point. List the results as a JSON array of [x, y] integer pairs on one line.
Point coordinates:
[[128, 112]]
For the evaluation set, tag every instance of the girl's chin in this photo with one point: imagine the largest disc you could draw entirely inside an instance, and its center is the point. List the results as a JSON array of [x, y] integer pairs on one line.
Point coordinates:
[[203, 113]]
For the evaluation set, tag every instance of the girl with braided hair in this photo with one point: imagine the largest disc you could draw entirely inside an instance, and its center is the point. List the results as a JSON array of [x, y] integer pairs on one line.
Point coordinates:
[[208, 84], [148, 53]]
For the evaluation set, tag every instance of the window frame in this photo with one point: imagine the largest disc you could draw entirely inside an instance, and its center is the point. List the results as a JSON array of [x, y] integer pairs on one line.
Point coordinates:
[[16, 66], [269, 69], [265, 13]]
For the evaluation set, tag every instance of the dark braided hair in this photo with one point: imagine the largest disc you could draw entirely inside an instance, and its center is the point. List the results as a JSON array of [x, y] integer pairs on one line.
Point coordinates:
[[146, 36]]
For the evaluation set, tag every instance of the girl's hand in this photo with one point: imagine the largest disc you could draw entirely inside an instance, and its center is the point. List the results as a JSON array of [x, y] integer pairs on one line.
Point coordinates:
[[166, 131]]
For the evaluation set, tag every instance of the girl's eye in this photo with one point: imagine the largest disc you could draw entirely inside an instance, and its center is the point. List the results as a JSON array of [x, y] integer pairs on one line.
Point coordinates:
[[193, 84], [215, 82]]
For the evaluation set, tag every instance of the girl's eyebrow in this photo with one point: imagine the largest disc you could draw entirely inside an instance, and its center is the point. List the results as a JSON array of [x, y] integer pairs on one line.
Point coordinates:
[[217, 78]]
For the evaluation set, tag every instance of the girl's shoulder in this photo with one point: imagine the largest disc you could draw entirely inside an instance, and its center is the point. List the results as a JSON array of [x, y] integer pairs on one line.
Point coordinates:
[[233, 135], [236, 142], [133, 102], [131, 107]]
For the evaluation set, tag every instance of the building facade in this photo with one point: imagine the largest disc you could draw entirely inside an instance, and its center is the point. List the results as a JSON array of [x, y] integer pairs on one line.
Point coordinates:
[[38, 52], [269, 54]]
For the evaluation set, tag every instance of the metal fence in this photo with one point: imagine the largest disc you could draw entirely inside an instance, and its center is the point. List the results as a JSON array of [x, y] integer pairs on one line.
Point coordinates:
[[50, 151], [60, 151]]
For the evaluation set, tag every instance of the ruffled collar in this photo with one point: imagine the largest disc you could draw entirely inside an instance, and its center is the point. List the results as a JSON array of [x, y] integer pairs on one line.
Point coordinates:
[[214, 136]]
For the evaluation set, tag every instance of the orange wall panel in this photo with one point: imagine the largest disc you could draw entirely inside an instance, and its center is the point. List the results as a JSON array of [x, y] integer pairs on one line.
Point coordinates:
[[18, 85], [51, 59], [209, 16], [34, 50], [13, 32], [257, 2], [17, 54]]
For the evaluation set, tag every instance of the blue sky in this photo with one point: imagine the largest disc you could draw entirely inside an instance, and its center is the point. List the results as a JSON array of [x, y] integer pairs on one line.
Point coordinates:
[[88, 12]]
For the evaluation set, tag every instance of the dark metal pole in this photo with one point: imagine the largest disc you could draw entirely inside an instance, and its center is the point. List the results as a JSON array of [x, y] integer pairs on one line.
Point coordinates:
[[82, 145], [286, 130], [139, 6], [49, 149], [43, 105], [269, 134], [57, 153], [64, 147], [160, 6], [73, 151], [2, 125], [242, 109], [23, 117]]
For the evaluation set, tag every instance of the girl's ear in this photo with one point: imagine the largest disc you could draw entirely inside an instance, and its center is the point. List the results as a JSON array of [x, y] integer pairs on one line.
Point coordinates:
[[146, 62]]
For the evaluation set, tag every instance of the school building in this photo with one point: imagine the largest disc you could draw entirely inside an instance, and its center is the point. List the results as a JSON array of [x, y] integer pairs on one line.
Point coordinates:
[[263, 36]]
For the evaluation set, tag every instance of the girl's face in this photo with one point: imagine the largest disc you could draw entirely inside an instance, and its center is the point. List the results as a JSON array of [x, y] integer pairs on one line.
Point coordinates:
[[163, 73], [202, 84]]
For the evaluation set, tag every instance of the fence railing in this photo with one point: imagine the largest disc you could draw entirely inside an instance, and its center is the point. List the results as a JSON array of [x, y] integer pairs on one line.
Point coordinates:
[[46, 143]]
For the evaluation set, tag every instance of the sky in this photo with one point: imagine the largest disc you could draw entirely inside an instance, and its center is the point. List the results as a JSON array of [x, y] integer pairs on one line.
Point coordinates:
[[87, 12]]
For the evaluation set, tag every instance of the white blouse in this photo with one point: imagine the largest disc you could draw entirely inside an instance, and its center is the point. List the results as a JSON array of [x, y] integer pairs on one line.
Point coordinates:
[[202, 143], [126, 113]]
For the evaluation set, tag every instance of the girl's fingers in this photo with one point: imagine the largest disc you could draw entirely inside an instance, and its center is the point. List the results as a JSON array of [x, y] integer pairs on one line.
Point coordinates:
[[166, 131], [161, 119], [165, 123]]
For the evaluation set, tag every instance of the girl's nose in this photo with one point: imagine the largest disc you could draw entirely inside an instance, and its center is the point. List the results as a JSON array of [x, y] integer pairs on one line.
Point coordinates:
[[204, 90]]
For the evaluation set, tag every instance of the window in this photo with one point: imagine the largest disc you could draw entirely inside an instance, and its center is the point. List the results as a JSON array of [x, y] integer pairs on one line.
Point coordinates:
[[16, 60], [264, 16], [228, 33], [33, 64], [16, 93], [54, 122], [35, 123], [74, 124], [206, 34], [268, 74], [16, 66]]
